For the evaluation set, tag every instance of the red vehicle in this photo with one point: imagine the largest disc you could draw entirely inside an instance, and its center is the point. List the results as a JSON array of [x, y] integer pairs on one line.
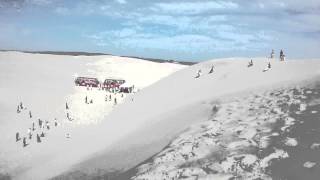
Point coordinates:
[[113, 83], [86, 81]]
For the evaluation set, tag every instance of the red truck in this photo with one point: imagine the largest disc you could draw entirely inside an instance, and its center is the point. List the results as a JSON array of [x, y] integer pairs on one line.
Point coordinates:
[[113, 83]]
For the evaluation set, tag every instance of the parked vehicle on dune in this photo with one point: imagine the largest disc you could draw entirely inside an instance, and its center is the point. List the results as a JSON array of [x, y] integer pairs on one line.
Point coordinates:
[[87, 81], [113, 83]]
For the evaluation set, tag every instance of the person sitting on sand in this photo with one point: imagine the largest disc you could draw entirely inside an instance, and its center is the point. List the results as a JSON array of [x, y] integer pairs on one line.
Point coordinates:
[[17, 137], [42, 134], [68, 135]]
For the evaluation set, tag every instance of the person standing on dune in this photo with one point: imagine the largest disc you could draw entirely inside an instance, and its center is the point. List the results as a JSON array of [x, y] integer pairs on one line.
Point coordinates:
[[30, 115], [24, 141], [38, 139], [86, 99], [55, 122], [33, 126], [29, 133], [40, 123], [17, 137]]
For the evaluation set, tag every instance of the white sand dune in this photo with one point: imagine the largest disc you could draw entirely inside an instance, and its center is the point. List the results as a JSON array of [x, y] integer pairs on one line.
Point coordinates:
[[147, 121], [136, 130], [44, 83]]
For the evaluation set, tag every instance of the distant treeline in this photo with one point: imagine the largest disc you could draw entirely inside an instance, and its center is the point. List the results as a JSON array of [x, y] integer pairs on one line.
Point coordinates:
[[75, 53]]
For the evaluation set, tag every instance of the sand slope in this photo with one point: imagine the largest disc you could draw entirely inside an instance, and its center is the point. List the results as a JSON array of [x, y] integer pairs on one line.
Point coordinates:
[[140, 128]]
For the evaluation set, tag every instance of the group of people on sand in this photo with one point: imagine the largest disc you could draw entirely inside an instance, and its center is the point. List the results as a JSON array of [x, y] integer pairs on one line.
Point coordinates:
[[250, 64], [200, 73], [282, 55], [39, 129]]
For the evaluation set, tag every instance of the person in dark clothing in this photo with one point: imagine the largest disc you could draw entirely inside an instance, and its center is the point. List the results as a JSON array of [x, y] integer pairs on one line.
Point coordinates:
[[55, 122], [110, 97], [86, 99], [17, 137], [18, 109], [281, 53], [211, 70], [269, 65], [91, 101], [24, 141], [115, 101], [47, 125], [40, 123], [33, 126], [38, 139], [67, 107], [42, 134], [30, 115], [21, 106], [250, 63]]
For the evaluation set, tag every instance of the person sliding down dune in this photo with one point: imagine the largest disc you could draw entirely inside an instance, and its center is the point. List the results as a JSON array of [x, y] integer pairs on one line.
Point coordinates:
[[198, 74], [211, 70], [250, 63], [268, 67]]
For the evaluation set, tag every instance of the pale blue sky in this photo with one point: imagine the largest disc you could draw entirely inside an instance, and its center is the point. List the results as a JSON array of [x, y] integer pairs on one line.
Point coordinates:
[[169, 29]]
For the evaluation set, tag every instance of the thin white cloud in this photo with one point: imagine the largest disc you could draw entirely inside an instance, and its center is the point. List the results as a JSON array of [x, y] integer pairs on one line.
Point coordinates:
[[194, 7]]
